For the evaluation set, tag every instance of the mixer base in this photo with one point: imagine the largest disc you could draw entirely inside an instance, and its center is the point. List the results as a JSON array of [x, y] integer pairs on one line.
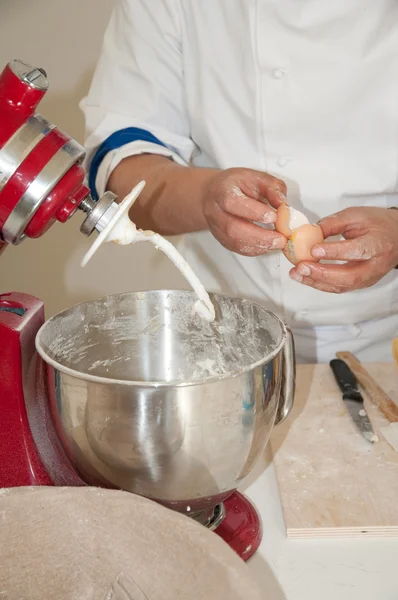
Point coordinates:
[[241, 526]]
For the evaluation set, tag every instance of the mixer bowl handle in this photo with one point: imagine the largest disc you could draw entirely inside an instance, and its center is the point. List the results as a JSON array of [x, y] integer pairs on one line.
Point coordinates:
[[288, 383]]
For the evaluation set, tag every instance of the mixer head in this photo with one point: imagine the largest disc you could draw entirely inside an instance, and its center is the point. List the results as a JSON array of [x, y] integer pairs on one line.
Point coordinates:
[[41, 173]]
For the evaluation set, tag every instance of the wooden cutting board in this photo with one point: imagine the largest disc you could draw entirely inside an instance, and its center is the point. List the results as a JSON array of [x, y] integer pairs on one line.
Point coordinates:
[[332, 482]]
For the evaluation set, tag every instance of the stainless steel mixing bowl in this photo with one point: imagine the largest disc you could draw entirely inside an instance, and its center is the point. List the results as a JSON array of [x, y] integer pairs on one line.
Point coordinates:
[[150, 398]]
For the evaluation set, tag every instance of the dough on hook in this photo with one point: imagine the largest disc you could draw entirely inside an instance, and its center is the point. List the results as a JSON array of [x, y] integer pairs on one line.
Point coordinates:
[[122, 230]]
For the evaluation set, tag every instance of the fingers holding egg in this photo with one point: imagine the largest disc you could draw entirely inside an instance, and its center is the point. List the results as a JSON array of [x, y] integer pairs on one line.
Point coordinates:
[[282, 223], [299, 246], [302, 235]]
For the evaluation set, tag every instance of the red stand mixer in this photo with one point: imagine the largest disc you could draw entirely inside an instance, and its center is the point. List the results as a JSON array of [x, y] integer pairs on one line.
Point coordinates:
[[41, 182]]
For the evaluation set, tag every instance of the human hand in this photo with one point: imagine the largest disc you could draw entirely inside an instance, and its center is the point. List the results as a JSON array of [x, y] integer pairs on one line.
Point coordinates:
[[370, 250], [237, 199]]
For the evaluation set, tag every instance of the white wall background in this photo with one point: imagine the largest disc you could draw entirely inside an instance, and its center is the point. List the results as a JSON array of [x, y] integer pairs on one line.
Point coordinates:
[[64, 37]]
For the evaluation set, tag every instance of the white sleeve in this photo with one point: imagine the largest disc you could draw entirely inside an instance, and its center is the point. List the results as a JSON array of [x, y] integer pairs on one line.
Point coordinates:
[[137, 90]]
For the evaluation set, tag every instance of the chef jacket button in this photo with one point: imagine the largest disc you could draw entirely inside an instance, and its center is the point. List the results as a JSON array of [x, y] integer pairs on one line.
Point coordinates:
[[279, 73], [283, 161]]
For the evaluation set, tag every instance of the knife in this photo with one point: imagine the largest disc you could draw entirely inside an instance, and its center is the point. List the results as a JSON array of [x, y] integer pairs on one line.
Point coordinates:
[[376, 394], [352, 397]]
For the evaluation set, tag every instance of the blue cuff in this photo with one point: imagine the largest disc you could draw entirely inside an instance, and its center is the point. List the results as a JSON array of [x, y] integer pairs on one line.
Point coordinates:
[[113, 142]]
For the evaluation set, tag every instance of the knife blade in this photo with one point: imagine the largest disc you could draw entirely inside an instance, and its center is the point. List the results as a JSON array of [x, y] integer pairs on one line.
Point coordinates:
[[352, 397]]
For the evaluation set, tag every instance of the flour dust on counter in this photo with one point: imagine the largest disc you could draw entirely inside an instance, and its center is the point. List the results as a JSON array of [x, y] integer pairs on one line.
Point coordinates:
[[390, 433], [332, 481]]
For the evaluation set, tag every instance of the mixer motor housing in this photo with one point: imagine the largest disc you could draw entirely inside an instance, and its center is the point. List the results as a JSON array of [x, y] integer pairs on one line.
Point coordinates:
[[41, 172]]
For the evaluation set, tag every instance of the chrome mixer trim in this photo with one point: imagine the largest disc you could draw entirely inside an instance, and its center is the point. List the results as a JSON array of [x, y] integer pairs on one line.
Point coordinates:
[[17, 148], [219, 514], [34, 77], [70, 154]]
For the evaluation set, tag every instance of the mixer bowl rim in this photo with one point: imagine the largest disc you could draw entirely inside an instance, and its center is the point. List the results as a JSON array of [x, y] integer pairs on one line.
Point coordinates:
[[88, 377]]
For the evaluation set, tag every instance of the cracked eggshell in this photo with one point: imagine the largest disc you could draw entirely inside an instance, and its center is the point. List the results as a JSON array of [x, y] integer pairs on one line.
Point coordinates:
[[301, 239], [283, 220]]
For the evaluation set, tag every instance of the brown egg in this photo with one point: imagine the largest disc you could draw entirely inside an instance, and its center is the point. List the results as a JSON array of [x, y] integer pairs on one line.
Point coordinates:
[[283, 220], [302, 235], [301, 242]]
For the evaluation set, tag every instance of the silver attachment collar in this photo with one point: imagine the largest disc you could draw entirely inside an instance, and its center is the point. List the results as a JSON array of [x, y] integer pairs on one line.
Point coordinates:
[[96, 212]]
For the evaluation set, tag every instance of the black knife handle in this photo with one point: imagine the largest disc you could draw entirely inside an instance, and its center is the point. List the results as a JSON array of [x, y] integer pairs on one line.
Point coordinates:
[[344, 376]]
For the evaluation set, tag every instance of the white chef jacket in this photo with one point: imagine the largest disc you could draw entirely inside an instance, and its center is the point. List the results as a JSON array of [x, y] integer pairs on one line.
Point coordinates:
[[304, 89]]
